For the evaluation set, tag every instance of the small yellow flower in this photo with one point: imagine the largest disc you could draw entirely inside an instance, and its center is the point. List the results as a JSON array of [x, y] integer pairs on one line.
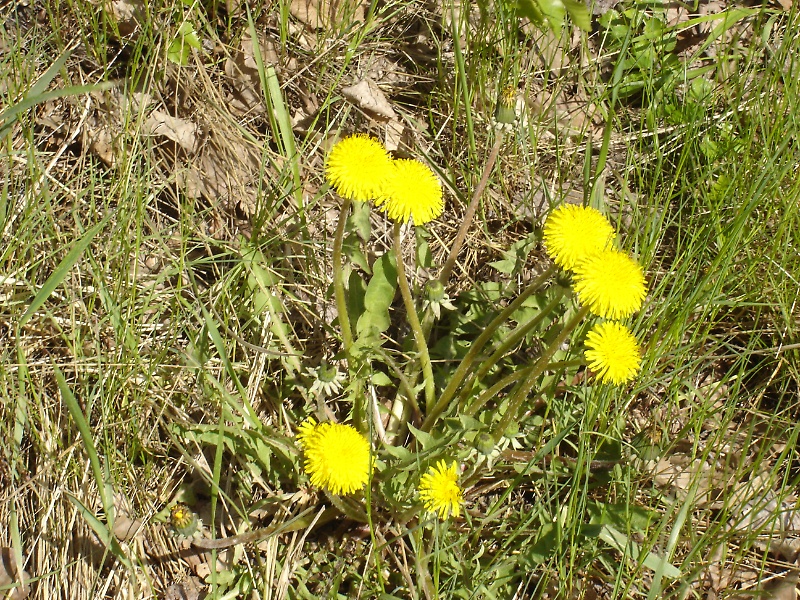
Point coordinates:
[[504, 112], [613, 353], [439, 490], [610, 283], [357, 167], [412, 190], [183, 520], [574, 232], [337, 456]]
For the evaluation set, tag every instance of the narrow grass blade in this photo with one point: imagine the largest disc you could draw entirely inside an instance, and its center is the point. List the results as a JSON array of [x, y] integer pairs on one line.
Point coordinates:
[[279, 116], [61, 271], [622, 543], [102, 530], [36, 94], [103, 483]]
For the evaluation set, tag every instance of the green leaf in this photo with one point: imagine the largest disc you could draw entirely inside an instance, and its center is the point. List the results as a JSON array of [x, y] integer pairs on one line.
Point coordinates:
[[359, 219], [424, 256], [356, 290], [579, 13], [378, 297], [101, 475], [623, 544], [426, 440], [36, 94], [381, 288], [380, 378], [530, 9], [351, 248], [178, 51]]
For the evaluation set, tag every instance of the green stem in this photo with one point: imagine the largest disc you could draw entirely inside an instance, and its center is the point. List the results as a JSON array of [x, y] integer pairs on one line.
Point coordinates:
[[512, 340], [491, 392], [466, 363], [359, 401], [338, 281], [413, 320], [473, 206], [538, 368]]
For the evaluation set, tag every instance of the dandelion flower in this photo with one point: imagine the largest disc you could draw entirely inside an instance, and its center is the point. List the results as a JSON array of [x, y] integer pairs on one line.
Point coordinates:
[[612, 352], [610, 283], [337, 456], [439, 490], [574, 232], [183, 520], [357, 167], [412, 190]]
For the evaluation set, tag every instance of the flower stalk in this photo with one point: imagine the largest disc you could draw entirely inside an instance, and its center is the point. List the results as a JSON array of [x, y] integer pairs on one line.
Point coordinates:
[[539, 367], [413, 319], [447, 268], [338, 280], [466, 363]]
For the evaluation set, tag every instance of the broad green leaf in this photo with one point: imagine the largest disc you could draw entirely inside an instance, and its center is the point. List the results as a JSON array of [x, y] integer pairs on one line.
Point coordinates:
[[426, 440], [359, 220], [424, 256], [383, 284], [380, 378], [579, 13], [178, 51], [623, 544], [530, 9], [378, 297], [356, 290]]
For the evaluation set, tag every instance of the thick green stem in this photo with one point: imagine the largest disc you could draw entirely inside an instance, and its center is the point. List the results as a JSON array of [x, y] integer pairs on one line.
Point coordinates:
[[466, 363], [538, 368], [359, 401], [512, 340], [413, 320], [338, 280], [491, 392], [473, 206]]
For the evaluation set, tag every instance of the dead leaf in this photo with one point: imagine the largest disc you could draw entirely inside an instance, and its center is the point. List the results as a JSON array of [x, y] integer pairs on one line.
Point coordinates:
[[126, 528], [368, 96], [321, 14], [128, 14], [182, 132], [225, 173], [99, 140], [185, 590], [11, 574], [394, 135]]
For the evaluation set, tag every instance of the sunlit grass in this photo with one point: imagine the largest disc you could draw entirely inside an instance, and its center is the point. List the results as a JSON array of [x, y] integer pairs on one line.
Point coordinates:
[[192, 335]]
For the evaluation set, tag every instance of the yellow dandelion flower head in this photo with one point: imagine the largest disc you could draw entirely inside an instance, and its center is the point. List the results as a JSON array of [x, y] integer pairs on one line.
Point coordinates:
[[337, 456], [439, 490], [357, 167], [613, 353], [573, 232], [412, 190], [610, 283]]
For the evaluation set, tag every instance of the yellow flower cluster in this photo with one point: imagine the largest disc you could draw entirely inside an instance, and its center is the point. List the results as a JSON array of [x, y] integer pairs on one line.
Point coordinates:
[[609, 282], [359, 168]]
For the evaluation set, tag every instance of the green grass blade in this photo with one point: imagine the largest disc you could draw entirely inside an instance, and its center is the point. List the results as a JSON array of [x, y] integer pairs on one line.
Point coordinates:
[[102, 530], [61, 271], [100, 475]]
